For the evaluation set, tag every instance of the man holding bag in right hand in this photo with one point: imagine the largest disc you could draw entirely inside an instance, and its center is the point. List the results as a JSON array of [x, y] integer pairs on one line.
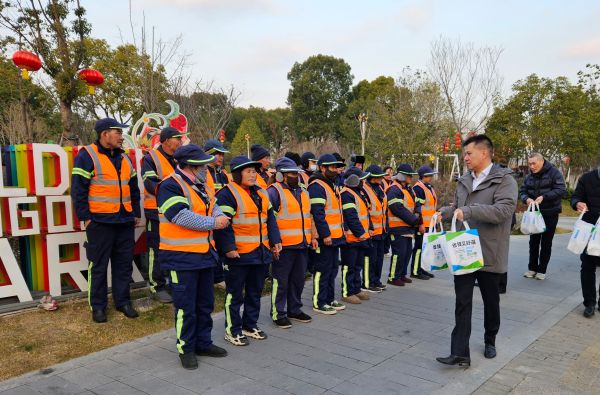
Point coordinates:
[[544, 186], [486, 197]]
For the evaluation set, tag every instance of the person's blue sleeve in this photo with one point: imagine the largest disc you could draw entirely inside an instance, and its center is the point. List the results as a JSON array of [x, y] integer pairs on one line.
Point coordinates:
[[318, 199], [170, 199], [149, 175], [350, 213], [225, 238], [134, 192], [396, 206], [272, 227], [274, 198], [81, 176]]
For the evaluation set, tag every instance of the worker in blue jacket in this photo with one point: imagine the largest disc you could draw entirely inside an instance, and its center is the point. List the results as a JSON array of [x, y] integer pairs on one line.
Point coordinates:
[[376, 193], [402, 223], [156, 166], [248, 243], [326, 209], [358, 230], [188, 215], [104, 189]]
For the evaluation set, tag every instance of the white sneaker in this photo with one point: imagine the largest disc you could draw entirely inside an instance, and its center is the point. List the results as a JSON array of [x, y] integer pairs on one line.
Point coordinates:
[[529, 274], [540, 276]]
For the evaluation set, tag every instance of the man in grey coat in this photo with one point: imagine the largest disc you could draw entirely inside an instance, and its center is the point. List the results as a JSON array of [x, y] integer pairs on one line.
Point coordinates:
[[486, 198]]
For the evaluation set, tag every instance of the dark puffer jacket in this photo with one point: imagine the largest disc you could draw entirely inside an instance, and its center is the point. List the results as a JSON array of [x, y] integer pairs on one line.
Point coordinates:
[[588, 192], [549, 183]]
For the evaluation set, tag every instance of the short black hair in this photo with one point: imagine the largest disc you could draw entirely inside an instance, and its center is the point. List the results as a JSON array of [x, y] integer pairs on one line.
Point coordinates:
[[387, 168], [294, 156], [480, 139]]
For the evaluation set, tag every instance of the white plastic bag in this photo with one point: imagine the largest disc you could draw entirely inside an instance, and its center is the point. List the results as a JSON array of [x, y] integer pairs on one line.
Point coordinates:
[[593, 247], [432, 252], [463, 249], [533, 221], [582, 231]]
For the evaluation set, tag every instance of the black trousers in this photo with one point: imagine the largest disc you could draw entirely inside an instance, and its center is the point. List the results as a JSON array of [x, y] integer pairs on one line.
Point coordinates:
[[288, 282], [114, 243], [463, 288], [416, 255], [588, 279], [156, 276], [540, 245]]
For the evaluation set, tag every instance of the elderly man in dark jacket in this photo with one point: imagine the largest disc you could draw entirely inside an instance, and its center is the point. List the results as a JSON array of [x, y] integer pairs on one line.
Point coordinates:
[[486, 197], [586, 198], [546, 187]]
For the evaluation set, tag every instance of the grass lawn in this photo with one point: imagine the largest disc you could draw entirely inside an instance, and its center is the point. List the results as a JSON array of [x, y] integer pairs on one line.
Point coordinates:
[[37, 339], [567, 211]]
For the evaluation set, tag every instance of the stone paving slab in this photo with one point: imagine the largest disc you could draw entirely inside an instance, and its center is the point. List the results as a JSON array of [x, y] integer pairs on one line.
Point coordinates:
[[385, 345]]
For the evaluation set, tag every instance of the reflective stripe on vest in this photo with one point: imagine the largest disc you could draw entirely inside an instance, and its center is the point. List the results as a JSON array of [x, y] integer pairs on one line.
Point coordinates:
[[363, 215], [376, 210], [333, 211], [108, 190], [260, 181], [408, 201], [178, 238], [249, 226], [305, 178], [163, 169], [429, 206], [293, 219], [215, 186]]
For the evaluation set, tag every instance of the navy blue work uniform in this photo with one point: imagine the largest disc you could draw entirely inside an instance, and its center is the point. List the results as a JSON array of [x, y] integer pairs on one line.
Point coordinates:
[[191, 273], [377, 249], [244, 276], [151, 178], [109, 236], [325, 257], [402, 231], [288, 271], [220, 180], [355, 252]]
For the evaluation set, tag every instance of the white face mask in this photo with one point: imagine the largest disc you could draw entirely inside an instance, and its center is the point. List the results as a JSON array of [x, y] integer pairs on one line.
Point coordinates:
[[312, 167]]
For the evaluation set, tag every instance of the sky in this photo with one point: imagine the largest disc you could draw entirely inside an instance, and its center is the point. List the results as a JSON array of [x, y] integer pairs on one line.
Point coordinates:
[[252, 44]]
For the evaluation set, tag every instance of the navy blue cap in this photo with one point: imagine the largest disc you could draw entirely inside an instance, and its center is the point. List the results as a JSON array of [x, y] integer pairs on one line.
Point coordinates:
[[213, 146], [405, 168], [375, 171], [169, 132], [329, 159], [192, 154], [257, 152], [286, 165], [240, 162], [108, 123], [425, 171], [357, 172]]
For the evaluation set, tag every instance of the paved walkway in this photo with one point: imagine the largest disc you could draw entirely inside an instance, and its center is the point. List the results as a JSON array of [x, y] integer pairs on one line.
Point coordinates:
[[385, 345]]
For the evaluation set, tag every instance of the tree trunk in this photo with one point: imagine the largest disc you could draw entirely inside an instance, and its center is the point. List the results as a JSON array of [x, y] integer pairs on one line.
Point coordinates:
[[66, 118]]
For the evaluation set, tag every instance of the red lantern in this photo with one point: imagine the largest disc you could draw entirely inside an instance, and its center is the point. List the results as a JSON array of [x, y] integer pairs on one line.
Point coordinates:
[[92, 78], [26, 61], [221, 136], [446, 145], [457, 140]]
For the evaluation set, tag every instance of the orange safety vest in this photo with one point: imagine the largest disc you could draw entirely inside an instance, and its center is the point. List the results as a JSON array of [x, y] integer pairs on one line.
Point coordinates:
[[363, 216], [108, 190], [333, 211], [430, 205], [376, 210], [210, 181], [178, 238], [305, 179], [408, 202], [260, 181], [163, 169], [249, 226], [293, 219]]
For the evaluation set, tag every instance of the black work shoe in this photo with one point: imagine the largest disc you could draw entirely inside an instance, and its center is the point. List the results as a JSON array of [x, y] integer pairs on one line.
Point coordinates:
[[454, 360], [128, 311], [99, 316], [425, 272], [490, 351], [283, 323], [213, 351], [189, 361], [589, 311], [300, 317], [163, 296], [420, 276]]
